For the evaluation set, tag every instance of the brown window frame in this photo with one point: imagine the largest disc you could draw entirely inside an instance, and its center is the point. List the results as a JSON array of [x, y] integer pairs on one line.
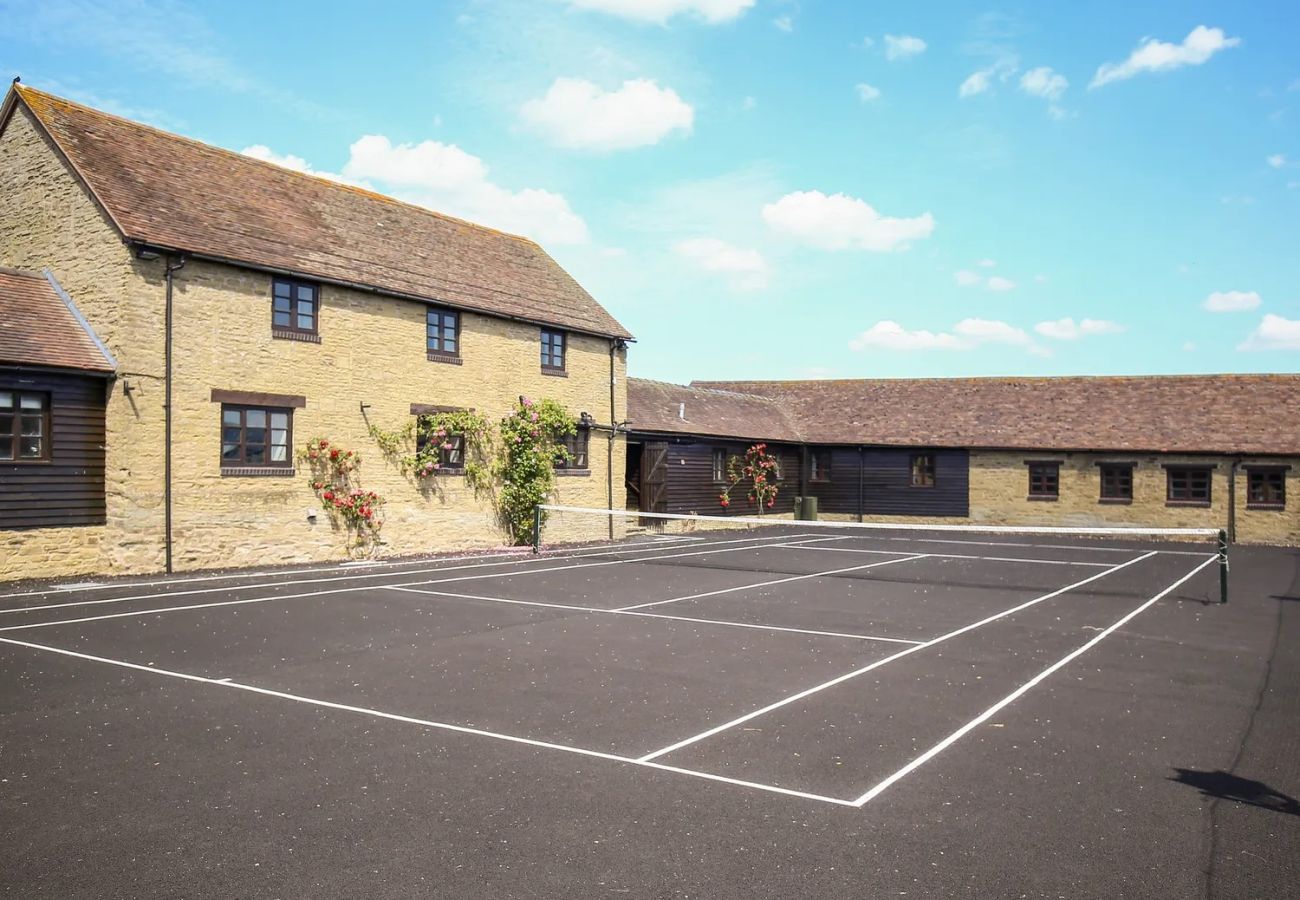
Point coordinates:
[[818, 472], [230, 464], [15, 433], [718, 462], [928, 468], [1260, 476], [293, 330], [441, 353], [550, 338], [1173, 473], [579, 446], [1115, 482], [1042, 475], [445, 455]]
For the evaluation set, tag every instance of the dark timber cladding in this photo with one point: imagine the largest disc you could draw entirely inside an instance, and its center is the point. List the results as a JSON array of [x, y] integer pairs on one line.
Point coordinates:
[[885, 487], [691, 488], [68, 489]]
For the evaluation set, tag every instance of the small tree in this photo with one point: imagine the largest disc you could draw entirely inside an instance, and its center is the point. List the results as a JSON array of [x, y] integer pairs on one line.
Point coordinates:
[[531, 439], [758, 471]]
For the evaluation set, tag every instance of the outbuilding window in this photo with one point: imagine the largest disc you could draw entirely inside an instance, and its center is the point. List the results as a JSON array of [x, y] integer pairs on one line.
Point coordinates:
[[719, 464], [1116, 482], [1189, 485], [1266, 487], [24, 426], [819, 465], [922, 470], [1044, 480]]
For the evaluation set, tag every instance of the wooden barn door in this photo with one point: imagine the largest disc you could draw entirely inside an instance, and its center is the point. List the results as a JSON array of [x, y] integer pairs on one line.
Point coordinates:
[[654, 479]]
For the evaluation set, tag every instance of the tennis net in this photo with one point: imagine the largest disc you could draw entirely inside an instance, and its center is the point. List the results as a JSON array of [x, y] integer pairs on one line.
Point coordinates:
[[786, 546]]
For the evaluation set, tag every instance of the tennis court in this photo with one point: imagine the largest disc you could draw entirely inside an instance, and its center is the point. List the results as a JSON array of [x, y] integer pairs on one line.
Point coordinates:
[[812, 667]]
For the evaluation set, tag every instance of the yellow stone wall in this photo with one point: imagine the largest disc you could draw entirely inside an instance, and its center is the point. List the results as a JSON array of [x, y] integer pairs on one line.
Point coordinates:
[[372, 351], [48, 221]]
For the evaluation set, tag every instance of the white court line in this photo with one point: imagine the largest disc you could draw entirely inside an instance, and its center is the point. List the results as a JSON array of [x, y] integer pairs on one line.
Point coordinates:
[[888, 659], [1012, 559], [427, 723], [362, 576], [646, 615], [1021, 691], [343, 590], [746, 587], [1040, 546]]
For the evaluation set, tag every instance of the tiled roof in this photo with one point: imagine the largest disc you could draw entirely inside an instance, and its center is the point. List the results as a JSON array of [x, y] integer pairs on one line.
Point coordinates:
[[1230, 414], [656, 406], [38, 328], [175, 193]]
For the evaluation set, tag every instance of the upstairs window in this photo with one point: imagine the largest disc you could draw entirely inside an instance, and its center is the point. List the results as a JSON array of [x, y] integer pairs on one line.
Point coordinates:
[[24, 426], [442, 334], [922, 470], [577, 444], [1044, 480], [552, 350], [1189, 485], [295, 309], [719, 464], [819, 465], [1116, 482], [253, 436], [1266, 488]]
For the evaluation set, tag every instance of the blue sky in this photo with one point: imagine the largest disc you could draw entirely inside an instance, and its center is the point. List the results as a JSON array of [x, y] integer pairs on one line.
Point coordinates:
[[781, 189]]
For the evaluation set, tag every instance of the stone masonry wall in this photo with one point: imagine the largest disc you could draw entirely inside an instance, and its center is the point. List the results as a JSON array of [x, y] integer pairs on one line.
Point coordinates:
[[47, 220]]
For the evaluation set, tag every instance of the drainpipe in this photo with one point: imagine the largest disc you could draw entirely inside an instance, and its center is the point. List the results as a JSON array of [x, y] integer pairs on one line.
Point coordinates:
[[170, 270], [614, 346], [1232, 500]]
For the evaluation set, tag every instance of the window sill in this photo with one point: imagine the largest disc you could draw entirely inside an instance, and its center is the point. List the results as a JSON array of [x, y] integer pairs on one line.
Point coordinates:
[[554, 373], [26, 462], [1044, 498], [446, 358], [257, 471], [1201, 503], [573, 473], [1116, 501], [1267, 507], [300, 336], [445, 470]]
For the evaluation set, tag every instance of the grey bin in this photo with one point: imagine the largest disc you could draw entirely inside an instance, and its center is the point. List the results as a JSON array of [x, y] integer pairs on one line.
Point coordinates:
[[805, 508]]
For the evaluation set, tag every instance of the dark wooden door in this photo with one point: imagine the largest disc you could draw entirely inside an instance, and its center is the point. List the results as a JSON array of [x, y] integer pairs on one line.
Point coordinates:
[[654, 478]]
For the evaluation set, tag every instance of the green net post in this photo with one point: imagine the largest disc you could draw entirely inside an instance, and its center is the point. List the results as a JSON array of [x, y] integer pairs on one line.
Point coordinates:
[[1223, 566], [537, 528]]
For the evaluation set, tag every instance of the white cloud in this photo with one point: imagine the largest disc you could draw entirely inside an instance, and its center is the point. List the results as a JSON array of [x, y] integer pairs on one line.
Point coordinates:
[[784, 23], [867, 93], [1273, 333], [887, 335], [967, 278], [288, 161], [966, 335], [903, 46], [841, 222], [1277, 160], [1043, 82], [1000, 284], [1231, 301], [1152, 55], [748, 103], [746, 270], [660, 11], [986, 263], [1068, 330], [580, 115], [975, 83], [445, 178]]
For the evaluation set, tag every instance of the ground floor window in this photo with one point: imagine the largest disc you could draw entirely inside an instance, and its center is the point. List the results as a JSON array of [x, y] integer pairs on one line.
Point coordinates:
[[922, 470], [1116, 482], [719, 464], [819, 465], [1266, 488], [577, 444], [1044, 480], [256, 436], [451, 452], [1189, 484], [24, 426]]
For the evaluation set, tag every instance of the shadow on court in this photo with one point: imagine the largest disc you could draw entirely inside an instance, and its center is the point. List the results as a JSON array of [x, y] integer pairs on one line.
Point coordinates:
[[1226, 786]]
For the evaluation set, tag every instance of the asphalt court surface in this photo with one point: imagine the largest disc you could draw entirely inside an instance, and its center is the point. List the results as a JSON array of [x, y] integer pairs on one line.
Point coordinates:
[[802, 668]]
